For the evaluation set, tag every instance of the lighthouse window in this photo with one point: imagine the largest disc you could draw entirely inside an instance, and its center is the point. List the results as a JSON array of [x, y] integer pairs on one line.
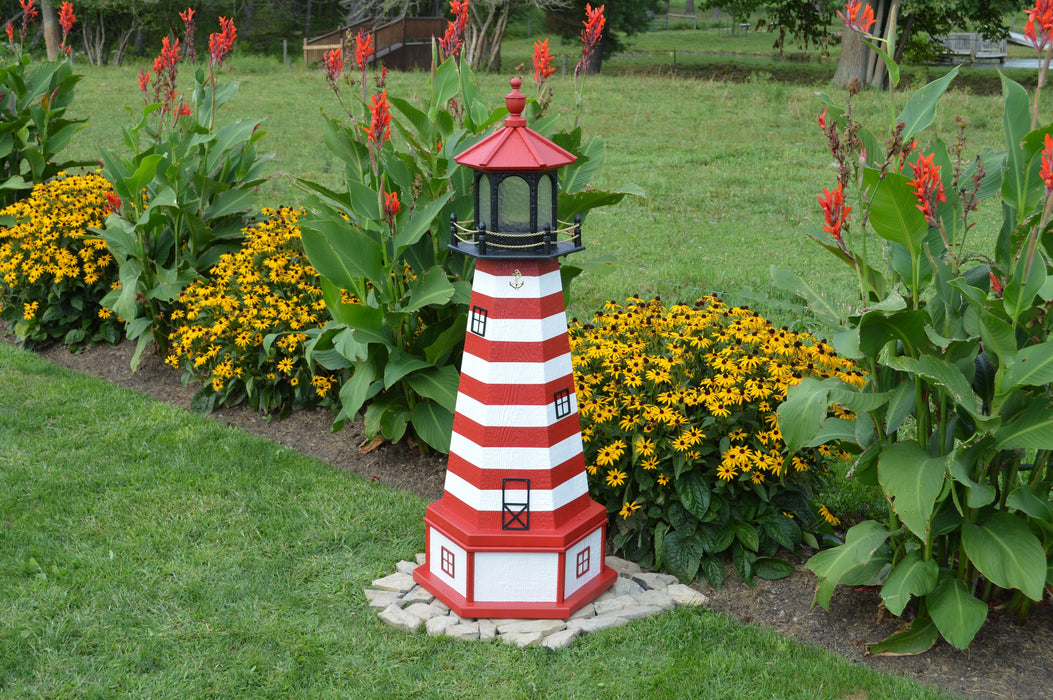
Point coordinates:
[[479, 320], [582, 564], [562, 403], [448, 563], [515, 504]]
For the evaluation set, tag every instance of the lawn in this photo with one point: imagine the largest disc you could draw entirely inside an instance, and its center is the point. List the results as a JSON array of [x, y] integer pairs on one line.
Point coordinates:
[[148, 552]]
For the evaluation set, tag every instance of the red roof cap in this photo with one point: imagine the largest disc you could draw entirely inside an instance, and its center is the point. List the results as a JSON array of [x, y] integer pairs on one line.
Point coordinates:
[[515, 147]]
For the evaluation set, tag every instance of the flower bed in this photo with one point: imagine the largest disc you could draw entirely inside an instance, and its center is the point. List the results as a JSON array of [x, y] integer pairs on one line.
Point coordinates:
[[682, 442]]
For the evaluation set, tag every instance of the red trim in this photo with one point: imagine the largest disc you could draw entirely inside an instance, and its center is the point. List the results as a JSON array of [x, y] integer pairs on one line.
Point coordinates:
[[481, 530], [506, 268], [510, 436], [540, 479], [516, 351], [514, 394]]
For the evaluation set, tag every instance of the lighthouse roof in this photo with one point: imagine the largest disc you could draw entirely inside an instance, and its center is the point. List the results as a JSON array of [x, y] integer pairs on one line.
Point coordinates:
[[515, 147]]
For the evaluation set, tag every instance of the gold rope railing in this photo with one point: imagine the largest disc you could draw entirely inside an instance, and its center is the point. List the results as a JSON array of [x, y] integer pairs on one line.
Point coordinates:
[[569, 231]]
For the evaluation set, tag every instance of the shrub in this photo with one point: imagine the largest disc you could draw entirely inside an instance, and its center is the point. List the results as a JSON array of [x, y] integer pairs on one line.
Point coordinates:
[[52, 273], [243, 330], [681, 440]]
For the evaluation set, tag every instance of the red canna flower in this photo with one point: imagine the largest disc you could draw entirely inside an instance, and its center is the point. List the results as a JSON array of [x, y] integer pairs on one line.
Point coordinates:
[[822, 120], [453, 39], [184, 110], [29, 10], [835, 211], [927, 186], [334, 67], [363, 49], [1047, 164], [187, 16], [391, 207], [543, 67], [144, 80], [379, 129], [222, 42], [29, 13], [590, 36], [113, 203], [996, 285], [10, 29], [860, 17], [1039, 26], [66, 19]]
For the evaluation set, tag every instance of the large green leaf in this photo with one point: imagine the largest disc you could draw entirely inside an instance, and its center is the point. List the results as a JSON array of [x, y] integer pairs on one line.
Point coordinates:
[[400, 364], [830, 566], [921, 108], [433, 289], [1025, 500], [895, 216], [772, 568], [877, 329], [945, 375], [957, 613], [1015, 124], [358, 389], [912, 576], [802, 414], [433, 424], [341, 251], [1005, 550], [1033, 366], [913, 481], [825, 307], [421, 220], [694, 493], [977, 495], [917, 639], [438, 384], [1032, 428]]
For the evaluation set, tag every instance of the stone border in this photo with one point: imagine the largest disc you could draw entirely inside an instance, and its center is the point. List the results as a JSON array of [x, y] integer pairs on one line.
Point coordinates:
[[636, 594]]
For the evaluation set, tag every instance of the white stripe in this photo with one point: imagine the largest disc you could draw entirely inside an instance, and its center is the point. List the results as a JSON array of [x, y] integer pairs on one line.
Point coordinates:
[[541, 500], [526, 329], [516, 458], [498, 286], [510, 416], [516, 372]]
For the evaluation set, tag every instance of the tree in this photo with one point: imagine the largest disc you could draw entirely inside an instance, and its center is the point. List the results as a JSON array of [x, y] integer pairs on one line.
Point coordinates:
[[897, 21], [50, 26]]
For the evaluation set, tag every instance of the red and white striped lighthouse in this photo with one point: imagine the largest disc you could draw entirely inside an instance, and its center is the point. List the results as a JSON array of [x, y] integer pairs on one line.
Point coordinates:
[[515, 533]]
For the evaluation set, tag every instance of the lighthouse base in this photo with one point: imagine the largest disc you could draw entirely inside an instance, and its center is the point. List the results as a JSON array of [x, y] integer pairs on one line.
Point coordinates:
[[515, 575]]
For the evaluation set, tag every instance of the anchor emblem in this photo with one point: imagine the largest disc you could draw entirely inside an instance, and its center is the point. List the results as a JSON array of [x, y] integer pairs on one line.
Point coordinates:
[[517, 280]]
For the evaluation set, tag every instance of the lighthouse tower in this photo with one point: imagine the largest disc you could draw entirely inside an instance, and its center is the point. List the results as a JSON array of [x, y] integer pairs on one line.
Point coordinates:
[[515, 533]]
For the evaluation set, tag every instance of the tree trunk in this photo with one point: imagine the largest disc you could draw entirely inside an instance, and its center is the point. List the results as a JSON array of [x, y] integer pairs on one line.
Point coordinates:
[[858, 62], [49, 24], [93, 35], [482, 43], [689, 7]]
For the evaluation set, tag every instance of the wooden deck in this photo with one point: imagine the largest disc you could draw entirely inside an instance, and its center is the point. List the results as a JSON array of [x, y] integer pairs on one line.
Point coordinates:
[[402, 44]]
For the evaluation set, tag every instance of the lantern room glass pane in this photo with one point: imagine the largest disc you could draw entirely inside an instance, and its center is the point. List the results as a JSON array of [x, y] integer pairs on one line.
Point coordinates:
[[545, 215], [482, 191], [513, 206]]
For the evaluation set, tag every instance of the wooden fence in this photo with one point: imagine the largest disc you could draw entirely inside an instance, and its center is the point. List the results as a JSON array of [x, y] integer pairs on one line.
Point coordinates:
[[403, 43]]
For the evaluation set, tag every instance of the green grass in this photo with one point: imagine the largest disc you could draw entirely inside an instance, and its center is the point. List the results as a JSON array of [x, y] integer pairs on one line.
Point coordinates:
[[147, 552]]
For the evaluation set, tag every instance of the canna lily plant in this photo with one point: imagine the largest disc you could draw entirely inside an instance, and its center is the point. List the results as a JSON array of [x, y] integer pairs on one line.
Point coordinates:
[[397, 298], [955, 421], [184, 188]]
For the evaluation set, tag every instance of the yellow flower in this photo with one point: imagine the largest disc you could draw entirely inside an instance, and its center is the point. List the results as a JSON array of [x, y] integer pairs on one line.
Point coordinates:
[[628, 509], [285, 365], [726, 472], [828, 516], [663, 479], [615, 477], [650, 463], [30, 310], [644, 446]]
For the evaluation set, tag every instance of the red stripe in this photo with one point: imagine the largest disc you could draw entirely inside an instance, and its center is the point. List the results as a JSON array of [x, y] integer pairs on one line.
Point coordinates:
[[515, 394], [540, 479], [516, 351], [505, 436], [519, 307], [507, 268]]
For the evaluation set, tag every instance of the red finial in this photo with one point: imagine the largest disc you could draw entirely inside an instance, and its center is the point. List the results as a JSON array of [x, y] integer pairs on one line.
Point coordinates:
[[515, 101]]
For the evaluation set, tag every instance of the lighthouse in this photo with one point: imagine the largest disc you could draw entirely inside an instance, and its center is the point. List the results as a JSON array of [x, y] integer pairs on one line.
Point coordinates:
[[515, 534]]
